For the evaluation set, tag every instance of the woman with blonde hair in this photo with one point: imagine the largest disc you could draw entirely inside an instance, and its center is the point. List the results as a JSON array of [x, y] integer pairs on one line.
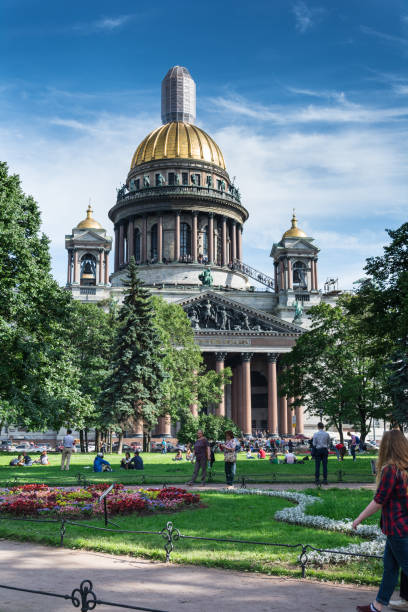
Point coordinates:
[[392, 499]]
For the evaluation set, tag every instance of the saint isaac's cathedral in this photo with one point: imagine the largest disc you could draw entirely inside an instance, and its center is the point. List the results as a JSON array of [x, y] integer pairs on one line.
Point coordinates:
[[182, 218]]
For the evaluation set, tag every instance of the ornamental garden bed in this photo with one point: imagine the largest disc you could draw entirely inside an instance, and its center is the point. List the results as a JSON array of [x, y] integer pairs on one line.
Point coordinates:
[[40, 500]]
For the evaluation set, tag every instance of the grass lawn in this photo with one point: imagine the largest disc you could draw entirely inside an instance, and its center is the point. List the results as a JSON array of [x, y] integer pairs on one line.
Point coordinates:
[[161, 469], [226, 516]]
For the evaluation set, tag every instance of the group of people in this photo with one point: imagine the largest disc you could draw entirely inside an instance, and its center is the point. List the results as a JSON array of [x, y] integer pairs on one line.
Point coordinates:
[[24, 460]]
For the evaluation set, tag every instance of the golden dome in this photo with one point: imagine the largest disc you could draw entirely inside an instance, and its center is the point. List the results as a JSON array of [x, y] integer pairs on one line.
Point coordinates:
[[294, 231], [178, 140], [89, 222]]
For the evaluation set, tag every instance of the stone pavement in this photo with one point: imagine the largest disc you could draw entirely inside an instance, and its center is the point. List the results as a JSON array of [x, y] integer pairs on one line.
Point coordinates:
[[164, 587], [278, 486]]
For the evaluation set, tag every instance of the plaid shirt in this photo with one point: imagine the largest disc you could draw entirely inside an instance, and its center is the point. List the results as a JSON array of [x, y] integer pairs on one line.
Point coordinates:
[[393, 497]]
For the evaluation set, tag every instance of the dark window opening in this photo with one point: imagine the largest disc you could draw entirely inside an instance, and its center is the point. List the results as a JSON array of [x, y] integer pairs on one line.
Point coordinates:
[[184, 178], [185, 240], [137, 245], [153, 243], [171, 178]]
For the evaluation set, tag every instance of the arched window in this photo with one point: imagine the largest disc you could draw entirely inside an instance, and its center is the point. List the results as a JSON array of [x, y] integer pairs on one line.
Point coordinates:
[[153, 242], [299, 275], [137, 245], [88, 270], [125, 244], [185, 240]]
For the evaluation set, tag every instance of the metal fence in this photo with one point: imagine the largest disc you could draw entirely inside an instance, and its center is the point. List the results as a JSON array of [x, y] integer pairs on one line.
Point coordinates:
[[134, 477], [170, 534], [83, 596]]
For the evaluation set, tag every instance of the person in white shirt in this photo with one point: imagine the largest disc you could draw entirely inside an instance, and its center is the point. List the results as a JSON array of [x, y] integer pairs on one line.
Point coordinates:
[[321, 444], [290, 457], [68, 443]]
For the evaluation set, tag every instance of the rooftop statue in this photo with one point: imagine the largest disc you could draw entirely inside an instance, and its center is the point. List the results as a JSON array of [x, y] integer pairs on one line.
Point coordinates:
[[298, 312], [146, 180], [209, 181], [160, 180], [206, 278]]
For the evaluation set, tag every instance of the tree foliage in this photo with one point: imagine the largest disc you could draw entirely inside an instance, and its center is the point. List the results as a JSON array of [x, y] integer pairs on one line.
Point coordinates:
[[332, 372], [135, 386], [214, 427], [39, 382]]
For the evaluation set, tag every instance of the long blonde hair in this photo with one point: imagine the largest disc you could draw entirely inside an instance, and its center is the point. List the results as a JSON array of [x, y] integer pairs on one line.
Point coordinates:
[[393, 451]]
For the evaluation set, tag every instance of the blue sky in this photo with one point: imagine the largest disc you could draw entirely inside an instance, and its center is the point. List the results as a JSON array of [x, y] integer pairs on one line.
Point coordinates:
[[308, 101]]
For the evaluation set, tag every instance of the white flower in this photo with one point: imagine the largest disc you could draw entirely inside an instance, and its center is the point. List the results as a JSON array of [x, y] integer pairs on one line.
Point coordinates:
[[296, 515]]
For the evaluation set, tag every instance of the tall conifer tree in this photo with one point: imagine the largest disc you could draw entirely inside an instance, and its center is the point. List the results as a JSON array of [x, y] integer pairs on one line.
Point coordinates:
[[135, 386]]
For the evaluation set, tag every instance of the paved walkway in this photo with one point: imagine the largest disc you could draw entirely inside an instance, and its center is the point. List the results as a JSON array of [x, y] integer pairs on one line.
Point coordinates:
[[171, 588], [278, 486]]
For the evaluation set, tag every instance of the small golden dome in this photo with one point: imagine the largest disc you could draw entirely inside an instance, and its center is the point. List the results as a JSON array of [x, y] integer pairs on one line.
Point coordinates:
[[89, 222], [178, 140], [294, 231]]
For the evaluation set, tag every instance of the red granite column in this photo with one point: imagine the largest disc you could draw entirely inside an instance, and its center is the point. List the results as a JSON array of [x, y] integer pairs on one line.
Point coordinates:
[[290, 285], [131, 237], [312, 278], [224, 259], [177, 237], [272, 394], [290, 415], [144, 240], [239, 242], [246, 394], [219, 367], [121, 243], [160, 240], [165, 426], [194, 236], [100, 266], [283, 426], [76, 267], [233, 241], [116, 249], [234, 396], [238, 395], [282, 276], [210, 238], [315, 274], [299, 420], [276, 277], [106, 267], [69, 270]]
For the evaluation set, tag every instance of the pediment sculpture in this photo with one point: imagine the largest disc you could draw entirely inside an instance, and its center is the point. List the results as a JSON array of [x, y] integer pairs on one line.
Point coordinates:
[[211, 315]]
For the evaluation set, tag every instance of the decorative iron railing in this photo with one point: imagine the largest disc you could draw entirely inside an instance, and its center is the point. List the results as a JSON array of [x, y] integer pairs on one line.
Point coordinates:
[[176, 191], [260, 277]]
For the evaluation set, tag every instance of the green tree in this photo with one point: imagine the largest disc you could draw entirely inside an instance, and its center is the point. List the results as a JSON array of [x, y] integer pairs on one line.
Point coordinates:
[[331, 370], [135, 386], [214, 428], [187, 381], [39, 382], [383, 298], [92, 336]]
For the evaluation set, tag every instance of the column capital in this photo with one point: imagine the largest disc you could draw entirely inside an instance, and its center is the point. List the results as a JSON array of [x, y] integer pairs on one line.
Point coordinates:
[[246, 356], [194, 213], [272, 357], [220, 356], [178, 212], [211, 214]]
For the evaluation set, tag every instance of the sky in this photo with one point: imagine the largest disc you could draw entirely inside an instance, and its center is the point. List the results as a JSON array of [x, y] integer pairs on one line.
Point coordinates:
[[307, 100]]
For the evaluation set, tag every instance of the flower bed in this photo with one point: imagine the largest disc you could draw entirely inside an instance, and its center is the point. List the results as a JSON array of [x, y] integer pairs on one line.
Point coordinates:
[[42, 501]]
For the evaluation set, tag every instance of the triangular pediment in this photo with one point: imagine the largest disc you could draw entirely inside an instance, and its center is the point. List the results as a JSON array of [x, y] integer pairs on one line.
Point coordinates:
[[89, 237], [210, 311]]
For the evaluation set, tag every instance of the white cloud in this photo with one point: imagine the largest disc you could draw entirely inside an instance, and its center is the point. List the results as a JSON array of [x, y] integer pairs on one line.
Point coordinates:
[[398, 40], [342, 112], [346, 184], [303, 17], [111, 23]]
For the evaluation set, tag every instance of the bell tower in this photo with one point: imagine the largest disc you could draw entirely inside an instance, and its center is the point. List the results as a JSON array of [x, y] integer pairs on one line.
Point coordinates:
[[88, 250], [295, 262]]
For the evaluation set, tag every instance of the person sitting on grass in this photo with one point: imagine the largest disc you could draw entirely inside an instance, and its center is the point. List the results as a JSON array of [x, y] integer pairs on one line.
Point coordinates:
[[27, 461], [261, 453], [137, 461], [189, 454], [126, 462], [273, 458], [179, 456], [249, 454], [100, 464], [43, 459], [289, 457], [17, 461]]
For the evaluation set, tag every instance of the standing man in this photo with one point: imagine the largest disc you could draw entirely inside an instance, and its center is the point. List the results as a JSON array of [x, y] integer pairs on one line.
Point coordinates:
[[321, 444], [202, 456], [68, 444], [164, 447], [353, 444]]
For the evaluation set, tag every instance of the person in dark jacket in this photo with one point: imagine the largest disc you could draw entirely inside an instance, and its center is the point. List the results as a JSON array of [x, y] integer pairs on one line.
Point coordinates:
[[137, 461]]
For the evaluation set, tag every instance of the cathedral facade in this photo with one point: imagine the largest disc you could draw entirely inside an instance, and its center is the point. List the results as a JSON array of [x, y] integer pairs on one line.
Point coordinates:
[[182, 218]]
